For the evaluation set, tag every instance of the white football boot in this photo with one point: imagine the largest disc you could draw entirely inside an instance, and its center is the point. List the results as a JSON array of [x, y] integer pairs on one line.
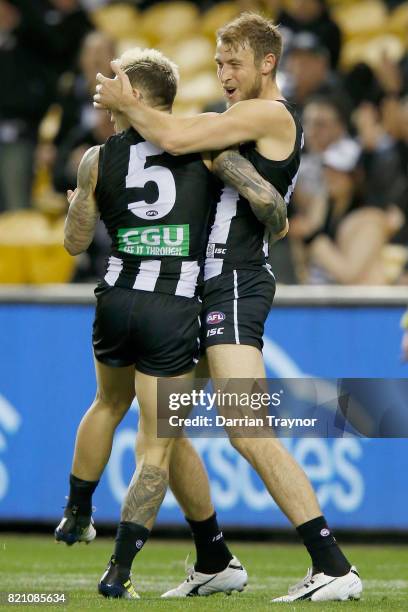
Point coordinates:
[[232, 578], [320, 587]]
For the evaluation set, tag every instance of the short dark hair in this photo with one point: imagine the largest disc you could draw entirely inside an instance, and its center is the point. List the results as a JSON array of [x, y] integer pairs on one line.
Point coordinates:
[[330, 101], [152, 72], [261, 34]]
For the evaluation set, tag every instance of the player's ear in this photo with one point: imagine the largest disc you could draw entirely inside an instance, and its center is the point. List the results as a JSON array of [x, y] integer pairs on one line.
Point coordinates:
[[268, 64], [138, 94]]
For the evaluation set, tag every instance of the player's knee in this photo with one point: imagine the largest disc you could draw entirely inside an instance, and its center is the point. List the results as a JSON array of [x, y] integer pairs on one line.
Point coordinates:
[[152, 449], [115, 404]]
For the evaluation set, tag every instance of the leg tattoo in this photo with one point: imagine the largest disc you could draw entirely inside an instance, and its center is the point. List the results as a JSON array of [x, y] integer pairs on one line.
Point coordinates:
[[145, 495]]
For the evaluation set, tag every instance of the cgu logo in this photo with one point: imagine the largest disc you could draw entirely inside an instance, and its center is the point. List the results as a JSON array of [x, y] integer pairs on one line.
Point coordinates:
[[213, 318], [155, 236]]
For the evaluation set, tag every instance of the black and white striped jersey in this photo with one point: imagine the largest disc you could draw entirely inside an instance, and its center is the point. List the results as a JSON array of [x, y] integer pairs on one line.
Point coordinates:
[[156, 210], [237, 239]]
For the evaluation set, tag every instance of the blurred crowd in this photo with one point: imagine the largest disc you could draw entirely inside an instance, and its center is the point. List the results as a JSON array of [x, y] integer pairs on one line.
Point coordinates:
[[345, 66]]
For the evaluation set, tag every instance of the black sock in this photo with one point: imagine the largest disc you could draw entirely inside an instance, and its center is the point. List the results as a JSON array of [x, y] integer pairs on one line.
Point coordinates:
[[129, 540], [213, 554], [323, 548], [80, 495]]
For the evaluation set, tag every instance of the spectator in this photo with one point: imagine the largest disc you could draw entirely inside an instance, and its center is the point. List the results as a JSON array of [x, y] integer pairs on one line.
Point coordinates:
[[36, 40], [347, 248], [383, 156], [324, 124], [76, 90], [308, 72], [312, 16], [53, 29], [78, 140]]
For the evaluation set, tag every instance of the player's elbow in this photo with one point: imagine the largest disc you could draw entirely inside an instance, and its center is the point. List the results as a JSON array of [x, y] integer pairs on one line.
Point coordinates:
[[71, 247], [172, 144], [282, 230], [277, 233], [172, 148]]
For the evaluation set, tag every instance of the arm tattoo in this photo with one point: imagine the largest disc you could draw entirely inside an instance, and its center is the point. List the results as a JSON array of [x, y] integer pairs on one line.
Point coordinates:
[[145, 495], [82, 213], [266, 202]]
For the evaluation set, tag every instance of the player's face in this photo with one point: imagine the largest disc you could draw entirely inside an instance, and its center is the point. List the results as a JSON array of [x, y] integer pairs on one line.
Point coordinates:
[[238, 74]]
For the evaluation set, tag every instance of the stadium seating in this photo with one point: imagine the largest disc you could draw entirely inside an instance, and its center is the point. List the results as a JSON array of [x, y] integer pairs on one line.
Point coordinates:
[[217, 16], [192, 55], [372, 50], [398, 20], [364, 18], [118, 21], [201, 89], [170, 21], [31, 249]]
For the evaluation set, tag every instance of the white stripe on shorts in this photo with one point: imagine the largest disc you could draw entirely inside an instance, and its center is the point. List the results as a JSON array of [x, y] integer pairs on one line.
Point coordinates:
[[115, 266], [147, 275], [236, 307]]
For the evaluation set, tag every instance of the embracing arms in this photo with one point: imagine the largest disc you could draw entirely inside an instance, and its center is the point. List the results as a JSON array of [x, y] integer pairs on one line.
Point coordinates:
[[245, 121], [82, 213], [265, 201]]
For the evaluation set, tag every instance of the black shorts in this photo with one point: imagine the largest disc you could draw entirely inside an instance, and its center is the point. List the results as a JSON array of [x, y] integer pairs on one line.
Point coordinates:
[[235, 307], [155, 332]]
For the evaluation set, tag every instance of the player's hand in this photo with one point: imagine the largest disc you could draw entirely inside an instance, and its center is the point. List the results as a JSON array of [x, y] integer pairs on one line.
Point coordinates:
[[114, 94]]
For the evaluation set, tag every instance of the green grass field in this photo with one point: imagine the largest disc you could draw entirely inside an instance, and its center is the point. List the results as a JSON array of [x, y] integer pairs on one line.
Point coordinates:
[[37, 564]]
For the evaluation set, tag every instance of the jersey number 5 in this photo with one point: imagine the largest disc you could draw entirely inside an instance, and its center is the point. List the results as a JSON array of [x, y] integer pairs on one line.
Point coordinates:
[[138, 176]]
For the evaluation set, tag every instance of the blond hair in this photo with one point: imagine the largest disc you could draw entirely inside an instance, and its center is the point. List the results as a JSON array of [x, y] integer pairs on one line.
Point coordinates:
[[261, 34], [153, 73]]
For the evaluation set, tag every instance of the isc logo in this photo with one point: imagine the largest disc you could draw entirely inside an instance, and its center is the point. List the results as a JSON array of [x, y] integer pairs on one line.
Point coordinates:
[[213, 318], [215, 331]]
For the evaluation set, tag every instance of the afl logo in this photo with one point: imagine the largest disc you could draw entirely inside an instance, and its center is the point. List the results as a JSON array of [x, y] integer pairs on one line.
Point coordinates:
[[152, 213], [213, 318]]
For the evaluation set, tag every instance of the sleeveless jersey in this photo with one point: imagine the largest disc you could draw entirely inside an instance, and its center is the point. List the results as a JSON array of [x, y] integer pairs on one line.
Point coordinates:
[[237, 239], [156, 210]]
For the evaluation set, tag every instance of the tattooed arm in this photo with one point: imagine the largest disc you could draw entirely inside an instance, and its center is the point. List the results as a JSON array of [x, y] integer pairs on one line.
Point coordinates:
[[266, 202], [82, 213]]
